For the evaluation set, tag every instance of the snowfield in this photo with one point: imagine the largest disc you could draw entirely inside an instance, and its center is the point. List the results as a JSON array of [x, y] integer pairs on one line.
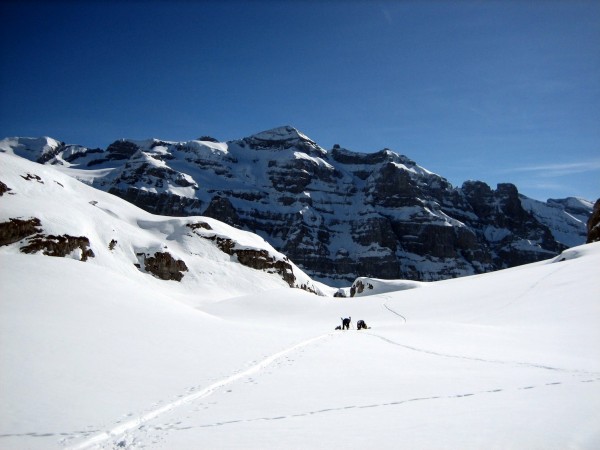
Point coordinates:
[[98, 354]]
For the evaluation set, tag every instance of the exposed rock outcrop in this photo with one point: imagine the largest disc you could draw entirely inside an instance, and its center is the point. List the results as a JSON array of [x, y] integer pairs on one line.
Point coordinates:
[[512, 234], [593, 224], [358, 287], [32, 177], [164, 266], [4, 189], [259, 259], [17, 229], [60, 246], [220, 208]]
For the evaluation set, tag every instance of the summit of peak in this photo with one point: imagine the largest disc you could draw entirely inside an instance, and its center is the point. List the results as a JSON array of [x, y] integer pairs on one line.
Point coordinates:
[[283, 133], [284, 137]]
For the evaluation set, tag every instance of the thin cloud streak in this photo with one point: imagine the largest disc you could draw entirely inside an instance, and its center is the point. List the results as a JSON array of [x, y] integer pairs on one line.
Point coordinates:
[[559, 169]]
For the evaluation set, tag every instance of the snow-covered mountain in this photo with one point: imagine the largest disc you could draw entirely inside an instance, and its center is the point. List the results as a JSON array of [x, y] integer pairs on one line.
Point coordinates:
[[100, 354], [564, 217], [338, 214], [162, 332], [45, 212]]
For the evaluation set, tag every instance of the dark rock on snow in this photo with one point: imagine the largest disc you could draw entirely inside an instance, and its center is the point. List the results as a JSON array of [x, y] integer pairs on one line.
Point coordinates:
[[4, 189], [593, 225], [61, 246], [17, 229], [164, 266]]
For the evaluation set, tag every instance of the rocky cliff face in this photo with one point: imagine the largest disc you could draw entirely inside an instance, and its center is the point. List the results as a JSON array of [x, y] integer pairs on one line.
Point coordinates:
[[338, 214], [593, 225]]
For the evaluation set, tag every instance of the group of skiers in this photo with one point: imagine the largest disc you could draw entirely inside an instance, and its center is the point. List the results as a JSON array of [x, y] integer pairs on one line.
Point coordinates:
[[348, 320]]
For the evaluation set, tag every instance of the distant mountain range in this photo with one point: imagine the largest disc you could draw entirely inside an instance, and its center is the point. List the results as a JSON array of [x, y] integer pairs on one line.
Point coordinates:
[[337, 214]]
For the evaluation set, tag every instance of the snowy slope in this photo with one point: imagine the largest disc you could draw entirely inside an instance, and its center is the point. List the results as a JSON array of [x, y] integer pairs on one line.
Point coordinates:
[[65, 206], [98, 354], [34, 149]]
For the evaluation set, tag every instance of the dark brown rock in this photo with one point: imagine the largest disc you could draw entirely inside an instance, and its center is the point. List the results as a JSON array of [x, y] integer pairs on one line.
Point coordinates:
[[358, 287], [16, 229], [220, 208], [197, 225], [593, 225], [258, 259], [60, 246], [164, 266], [32, 177], [4, 189]]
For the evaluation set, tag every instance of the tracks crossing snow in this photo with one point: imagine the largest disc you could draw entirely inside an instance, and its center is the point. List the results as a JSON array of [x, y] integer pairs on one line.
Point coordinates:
[[483, 360], [394, 312], [140, 420], [394, 403]]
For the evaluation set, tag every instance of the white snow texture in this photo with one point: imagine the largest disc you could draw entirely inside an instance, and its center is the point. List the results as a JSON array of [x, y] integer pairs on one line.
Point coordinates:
[[99, 354]]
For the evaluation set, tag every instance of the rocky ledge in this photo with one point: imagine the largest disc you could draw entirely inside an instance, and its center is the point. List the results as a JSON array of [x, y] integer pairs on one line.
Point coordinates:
[[162, 265]]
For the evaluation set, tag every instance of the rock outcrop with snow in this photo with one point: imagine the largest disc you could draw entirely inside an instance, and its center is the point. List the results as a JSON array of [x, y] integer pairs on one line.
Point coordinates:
[[47, 213], [338, 214], [593, 225]]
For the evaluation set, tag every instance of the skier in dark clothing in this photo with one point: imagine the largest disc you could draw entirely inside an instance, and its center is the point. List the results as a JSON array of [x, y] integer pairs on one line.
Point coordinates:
[[346, 323], [361, 325]]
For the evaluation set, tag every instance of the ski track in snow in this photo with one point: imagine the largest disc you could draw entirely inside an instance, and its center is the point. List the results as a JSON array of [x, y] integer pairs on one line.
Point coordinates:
[[177, 427], [522, 295], [124, 433], [394, 312], [139, 421], [158, 431], [591, 377], [490, 361]]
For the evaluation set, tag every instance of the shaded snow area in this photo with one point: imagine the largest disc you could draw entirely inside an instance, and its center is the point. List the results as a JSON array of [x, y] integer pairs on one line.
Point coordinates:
[[99, 354], [566, 218]]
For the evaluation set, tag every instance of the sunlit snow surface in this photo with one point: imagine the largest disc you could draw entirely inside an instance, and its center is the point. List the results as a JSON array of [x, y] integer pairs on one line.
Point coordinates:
[[101, 355]]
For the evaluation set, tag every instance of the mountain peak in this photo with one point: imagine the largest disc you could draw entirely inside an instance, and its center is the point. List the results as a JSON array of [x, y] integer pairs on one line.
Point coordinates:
[[281, 134], [282, 138], [39, 149]]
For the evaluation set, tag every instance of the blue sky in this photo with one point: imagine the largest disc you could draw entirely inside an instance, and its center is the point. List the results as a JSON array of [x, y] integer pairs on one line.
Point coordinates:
[[495, 91]]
